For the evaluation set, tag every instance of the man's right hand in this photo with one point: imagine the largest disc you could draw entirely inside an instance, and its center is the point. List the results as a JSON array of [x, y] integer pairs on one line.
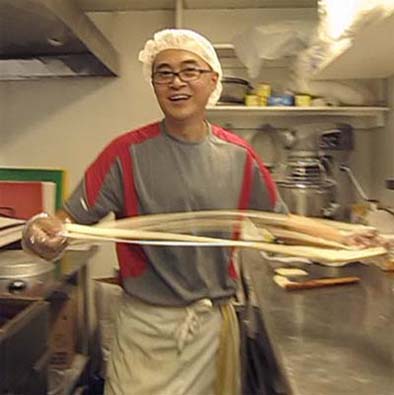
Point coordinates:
[[44, 235]]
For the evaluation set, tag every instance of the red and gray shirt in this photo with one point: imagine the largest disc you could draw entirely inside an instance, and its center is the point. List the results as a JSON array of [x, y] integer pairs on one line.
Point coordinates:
[[147, 171]]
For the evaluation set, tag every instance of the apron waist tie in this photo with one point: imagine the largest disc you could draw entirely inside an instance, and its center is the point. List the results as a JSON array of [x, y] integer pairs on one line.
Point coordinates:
[[190, 326]]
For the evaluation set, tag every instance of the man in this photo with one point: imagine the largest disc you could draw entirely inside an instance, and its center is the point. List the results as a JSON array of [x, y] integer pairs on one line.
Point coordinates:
[[176, 298]]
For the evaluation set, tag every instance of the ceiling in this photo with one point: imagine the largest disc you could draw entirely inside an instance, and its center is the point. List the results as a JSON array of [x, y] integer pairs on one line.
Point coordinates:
[[128, 5]]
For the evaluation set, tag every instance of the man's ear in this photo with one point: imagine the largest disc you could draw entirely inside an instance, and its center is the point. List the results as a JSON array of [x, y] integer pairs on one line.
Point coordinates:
[[215, 78]]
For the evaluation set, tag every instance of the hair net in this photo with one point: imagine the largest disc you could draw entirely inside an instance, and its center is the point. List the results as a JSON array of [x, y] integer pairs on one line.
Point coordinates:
[[187, 40]]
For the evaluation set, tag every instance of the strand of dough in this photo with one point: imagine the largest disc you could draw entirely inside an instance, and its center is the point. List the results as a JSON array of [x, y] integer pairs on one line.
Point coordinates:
[[134, 236], [230, 225], [326, 229]]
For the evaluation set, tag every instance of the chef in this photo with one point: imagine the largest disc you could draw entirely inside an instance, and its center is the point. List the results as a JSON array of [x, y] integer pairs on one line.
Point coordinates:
[[176, 330]]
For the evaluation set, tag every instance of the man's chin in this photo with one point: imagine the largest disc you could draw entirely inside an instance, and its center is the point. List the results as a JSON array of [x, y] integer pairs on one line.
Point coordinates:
[[179, 115]]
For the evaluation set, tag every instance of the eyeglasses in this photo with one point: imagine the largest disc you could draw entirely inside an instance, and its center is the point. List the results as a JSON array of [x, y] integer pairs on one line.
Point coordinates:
[[186, 75]]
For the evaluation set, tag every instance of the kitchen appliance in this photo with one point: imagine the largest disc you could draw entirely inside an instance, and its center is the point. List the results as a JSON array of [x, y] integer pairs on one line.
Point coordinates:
[[307, 190], [46, 38], [305, 180], [370, 211], [21, 273]]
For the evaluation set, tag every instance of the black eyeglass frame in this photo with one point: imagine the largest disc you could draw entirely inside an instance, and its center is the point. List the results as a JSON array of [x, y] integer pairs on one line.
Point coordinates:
[[172, 74]]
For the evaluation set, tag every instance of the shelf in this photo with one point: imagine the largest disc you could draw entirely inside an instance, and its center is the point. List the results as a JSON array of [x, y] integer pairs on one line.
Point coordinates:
[[361, 117], [369, 55], [349, 111]]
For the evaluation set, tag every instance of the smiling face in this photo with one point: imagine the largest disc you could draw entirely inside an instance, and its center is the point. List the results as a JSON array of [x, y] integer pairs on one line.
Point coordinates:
[[179, 100]]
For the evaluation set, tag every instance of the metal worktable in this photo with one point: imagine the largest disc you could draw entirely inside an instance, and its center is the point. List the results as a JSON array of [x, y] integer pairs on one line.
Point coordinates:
[[70, 273], [329, 341]]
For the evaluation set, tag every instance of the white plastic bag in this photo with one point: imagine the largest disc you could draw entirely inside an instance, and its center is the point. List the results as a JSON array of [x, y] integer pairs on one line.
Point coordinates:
[[271, 42]]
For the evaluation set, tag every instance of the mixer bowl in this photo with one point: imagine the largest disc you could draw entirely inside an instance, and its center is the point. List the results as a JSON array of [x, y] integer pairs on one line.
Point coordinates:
[[308, 200]]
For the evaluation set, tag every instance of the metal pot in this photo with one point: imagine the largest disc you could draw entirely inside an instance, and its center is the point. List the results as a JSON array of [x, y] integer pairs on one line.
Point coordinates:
[[19, 272], [309, 200], [234, 90]]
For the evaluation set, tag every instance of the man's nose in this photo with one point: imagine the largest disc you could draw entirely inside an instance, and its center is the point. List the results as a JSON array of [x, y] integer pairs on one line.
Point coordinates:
[[176, 81]]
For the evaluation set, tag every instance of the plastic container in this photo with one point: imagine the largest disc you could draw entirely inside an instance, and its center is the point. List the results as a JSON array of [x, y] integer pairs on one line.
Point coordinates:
[[252, 100], [281, 100], [263, 90], [303, 101]]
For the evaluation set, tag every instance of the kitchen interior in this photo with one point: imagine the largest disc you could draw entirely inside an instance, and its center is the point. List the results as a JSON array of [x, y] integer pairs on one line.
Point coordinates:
[[315, 102]]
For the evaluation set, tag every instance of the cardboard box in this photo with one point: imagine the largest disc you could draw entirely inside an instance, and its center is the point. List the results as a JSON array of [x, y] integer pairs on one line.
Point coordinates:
[[63, 331]]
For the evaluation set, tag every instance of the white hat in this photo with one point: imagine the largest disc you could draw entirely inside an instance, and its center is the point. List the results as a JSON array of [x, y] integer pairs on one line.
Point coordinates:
[[187, 40]]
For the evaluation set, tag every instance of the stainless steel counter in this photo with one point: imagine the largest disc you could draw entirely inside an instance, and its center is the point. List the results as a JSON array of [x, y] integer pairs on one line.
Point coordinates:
[[330, 341]]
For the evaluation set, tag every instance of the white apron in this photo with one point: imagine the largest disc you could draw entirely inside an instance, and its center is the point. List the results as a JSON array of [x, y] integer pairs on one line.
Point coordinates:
[[173, 350]]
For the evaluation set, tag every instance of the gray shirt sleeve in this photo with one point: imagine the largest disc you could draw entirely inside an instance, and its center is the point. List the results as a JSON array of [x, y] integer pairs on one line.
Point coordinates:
[[109, 198]]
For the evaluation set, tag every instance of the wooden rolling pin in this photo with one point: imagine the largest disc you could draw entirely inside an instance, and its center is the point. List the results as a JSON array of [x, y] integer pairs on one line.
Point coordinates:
[[284, 282]]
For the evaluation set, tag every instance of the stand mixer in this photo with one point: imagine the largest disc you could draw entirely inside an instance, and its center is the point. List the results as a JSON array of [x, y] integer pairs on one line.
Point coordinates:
[[305, 181]]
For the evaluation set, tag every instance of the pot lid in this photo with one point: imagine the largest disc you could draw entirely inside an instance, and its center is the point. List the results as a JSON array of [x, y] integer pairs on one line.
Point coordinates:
[[17, 263], [235, 80]]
